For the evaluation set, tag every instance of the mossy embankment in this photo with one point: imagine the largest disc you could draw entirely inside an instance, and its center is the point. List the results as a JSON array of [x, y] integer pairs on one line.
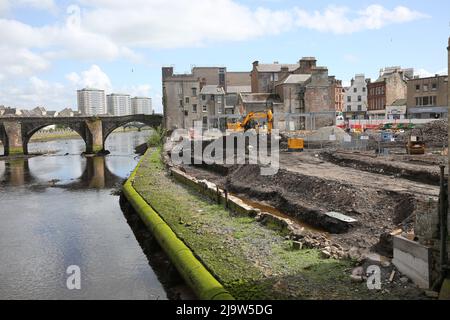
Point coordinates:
[[251, 260]]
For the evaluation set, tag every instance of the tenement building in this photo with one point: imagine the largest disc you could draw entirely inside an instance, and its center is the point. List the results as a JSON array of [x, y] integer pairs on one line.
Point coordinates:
[[427, 97], [389, 87], [355, 98], [199, 95]]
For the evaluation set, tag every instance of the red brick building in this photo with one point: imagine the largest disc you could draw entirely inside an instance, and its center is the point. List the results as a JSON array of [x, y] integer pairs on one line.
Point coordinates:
[[390, 87]]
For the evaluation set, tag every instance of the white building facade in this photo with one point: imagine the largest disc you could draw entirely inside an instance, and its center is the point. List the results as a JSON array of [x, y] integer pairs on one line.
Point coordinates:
[[91, 101], [118, 104], [355, 98], [141, 105]]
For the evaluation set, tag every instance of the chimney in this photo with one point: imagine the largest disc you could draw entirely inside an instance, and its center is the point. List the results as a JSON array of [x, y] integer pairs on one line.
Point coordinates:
[[255, 63], [167, 72], [307, 64]]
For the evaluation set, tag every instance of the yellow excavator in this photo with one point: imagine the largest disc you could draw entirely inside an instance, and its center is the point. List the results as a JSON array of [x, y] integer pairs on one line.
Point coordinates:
[[415, 143], [253, 120]]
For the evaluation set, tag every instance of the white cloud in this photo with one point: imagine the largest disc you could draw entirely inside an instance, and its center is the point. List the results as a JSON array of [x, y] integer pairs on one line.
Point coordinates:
[[109, 30], [94, 77], [20, 62], [183, 23], [425, 73], [35, 92], [341, 20]]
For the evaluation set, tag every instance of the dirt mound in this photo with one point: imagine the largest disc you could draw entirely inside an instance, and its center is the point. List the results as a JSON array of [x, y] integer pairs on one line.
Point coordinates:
[[436, 133], [323, 134]]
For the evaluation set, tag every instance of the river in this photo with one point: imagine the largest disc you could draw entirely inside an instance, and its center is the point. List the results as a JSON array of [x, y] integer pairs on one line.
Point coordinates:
[[58, 210]]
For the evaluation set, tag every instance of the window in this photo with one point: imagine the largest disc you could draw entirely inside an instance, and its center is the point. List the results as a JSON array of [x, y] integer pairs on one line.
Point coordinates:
[[434, 86], [425, 101], [434, 100], [194, 92], [219, 100], [359, 107], [355, 90], [349, 108], [222, 76], [417, 102], [181, 103], [203, 97], [425, 87], [194, 108], [205, 109], [186, 99], [359, 99], [364, 89], [205, 121], [349, 99], [417, 87], [212, 97]]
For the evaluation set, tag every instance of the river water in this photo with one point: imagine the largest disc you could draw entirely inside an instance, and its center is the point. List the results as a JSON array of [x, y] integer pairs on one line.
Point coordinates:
[[58, 210]]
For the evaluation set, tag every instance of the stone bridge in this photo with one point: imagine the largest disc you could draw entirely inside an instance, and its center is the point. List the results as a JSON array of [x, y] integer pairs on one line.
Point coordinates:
[[16, 132]]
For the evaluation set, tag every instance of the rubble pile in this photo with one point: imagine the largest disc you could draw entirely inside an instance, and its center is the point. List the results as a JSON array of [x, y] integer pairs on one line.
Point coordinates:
[[436, 133]]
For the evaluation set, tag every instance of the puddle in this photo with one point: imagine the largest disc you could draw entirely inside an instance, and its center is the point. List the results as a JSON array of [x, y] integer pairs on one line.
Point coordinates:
[[267, 208]]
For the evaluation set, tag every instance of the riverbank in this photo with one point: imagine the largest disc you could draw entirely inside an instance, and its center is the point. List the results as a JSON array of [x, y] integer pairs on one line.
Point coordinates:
[[251, 260]]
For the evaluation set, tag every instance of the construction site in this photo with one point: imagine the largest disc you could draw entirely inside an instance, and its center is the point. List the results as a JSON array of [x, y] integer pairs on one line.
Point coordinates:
[[374, 196]]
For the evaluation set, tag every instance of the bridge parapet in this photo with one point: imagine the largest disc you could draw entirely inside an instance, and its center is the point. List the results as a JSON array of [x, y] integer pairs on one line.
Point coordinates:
[[15, 132]]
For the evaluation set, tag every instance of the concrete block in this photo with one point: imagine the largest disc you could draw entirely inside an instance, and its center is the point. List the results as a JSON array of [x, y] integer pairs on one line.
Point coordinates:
[[413, 260]]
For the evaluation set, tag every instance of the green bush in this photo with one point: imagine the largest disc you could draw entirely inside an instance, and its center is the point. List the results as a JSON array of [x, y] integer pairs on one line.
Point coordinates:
[[156, 139]]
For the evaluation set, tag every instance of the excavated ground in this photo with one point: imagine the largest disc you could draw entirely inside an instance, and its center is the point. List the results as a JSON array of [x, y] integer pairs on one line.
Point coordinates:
[[309, 184]]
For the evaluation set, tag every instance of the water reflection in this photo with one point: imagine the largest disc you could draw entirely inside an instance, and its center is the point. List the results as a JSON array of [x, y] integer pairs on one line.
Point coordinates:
[[57, 210], [96, 174], [16, 173]]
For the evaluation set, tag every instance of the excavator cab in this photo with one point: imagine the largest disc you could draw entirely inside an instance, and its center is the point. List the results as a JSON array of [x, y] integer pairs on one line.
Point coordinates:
[[415, 143], [253, 120]]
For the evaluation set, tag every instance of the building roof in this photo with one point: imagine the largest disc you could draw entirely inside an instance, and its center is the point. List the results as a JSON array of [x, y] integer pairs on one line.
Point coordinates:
[[27, 113], [52, 113], [118, 95], [239, 89], [259, 97], [296, 78], [276, 67], [212, 89], [90, 89]]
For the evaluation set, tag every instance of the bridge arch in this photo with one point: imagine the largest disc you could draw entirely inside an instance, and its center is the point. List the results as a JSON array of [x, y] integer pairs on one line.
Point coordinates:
[[3, 140], [146, 121], [27, 133]]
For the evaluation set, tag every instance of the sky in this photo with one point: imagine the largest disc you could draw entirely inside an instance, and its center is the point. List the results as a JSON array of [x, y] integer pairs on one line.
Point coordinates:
[[51, 48]]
